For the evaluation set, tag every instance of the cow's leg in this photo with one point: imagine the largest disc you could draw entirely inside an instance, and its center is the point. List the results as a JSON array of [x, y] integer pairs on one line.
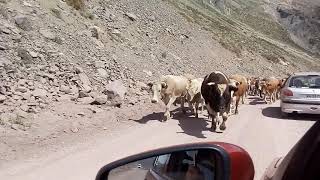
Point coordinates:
[[183, 99], [265, 97], [191, 106], [274, 94], [202, 107], [213, 115], [214, 121], [228, 110], [242, 99], [167, 112], [271, 97], [237, 104], [196, 108], [224, 119]]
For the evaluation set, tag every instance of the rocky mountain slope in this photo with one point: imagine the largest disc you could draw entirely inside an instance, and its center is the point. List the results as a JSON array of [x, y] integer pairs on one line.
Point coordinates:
[[302, 20], [60, 56]]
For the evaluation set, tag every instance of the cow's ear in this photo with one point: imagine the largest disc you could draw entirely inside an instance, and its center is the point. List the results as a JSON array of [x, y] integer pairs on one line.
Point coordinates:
[[164, 85]]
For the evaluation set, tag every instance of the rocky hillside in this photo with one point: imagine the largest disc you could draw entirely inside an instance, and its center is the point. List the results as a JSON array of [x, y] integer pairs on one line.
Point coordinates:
[[302, 20], [103, 52]]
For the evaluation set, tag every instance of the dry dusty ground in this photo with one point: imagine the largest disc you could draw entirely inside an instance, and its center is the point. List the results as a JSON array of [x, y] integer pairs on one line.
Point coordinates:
[[258, 128]]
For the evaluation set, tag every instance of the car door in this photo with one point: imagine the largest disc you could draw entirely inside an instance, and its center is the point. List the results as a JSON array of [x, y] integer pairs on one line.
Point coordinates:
[[303, 160]]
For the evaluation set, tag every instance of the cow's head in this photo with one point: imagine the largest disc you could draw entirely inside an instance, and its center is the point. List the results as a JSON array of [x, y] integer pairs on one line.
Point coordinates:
[[226, 92], [233, 87], [157, 89], [262, 84]]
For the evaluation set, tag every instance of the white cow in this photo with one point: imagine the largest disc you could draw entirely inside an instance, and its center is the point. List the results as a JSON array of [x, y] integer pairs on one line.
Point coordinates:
[[194, 96], [168, 89]]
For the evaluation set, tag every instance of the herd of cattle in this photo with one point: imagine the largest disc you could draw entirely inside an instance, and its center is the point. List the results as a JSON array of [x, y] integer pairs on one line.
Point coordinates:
[[216, 91]]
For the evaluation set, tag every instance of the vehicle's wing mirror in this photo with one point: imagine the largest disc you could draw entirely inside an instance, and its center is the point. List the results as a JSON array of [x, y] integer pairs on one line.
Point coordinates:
[[187, 162]]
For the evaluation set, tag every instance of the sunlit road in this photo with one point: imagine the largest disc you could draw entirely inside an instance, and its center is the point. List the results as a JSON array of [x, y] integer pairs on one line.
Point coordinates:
[[258, 128]]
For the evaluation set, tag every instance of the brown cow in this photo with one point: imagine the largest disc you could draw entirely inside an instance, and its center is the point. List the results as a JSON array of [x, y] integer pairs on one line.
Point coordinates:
[[281, 83], [242, 89], [270, 88], [253, 86]]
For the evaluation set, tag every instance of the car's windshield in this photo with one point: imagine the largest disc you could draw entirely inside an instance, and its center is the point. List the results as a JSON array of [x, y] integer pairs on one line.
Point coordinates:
[[306, 81]]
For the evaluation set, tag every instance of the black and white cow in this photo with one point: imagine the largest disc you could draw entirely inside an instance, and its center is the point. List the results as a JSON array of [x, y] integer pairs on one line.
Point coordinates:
[[217, 91]]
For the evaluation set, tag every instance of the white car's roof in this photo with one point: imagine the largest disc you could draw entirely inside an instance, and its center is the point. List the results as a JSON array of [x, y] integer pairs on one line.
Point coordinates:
[[306, 73]]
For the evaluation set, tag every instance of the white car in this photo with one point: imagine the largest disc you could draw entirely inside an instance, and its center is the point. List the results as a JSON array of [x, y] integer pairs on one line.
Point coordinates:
[[301, 94]]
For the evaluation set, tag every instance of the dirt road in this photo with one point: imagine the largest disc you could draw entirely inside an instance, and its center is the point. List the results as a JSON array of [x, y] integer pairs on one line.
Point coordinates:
[[258, 128]]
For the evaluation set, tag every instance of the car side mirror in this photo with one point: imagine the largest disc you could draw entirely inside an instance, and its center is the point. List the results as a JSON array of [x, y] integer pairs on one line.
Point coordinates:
[[190, 161]]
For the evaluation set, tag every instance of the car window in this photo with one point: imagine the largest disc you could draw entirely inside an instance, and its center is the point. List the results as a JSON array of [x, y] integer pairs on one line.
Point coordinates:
[[310, 81], [179, 165], [160, 163]]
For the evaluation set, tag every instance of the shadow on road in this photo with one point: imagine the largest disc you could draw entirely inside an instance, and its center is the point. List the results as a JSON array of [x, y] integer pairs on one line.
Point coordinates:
[[257, 101], [150, 117], [191, 125], [253, 97], [275, 112], [188, 123]]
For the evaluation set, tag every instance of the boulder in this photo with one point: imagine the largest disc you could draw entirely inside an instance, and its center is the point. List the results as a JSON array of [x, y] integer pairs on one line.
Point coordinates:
[[142, 86], [24, 55], [99, 64], [78, 69], [3, 47], [131, 16], [83, 94], [23, 22], [8, 117], [116, 32], [95, 32], [86, 84], [2, 90], [65, 89], [40, 93], [115, 92], [102, 72], [47, 34], [22, 82], [21, 89], [33, 54], [149, 73], [53, 69], [26, 96], [15, 126], [86, 100], [99, 100], [2, 98]]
